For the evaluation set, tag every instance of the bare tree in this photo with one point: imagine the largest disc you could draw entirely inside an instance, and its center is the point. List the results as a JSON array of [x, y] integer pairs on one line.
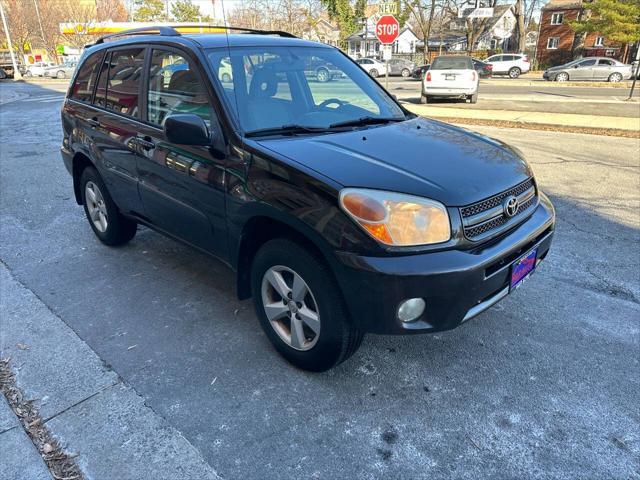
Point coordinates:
[[421, 15]]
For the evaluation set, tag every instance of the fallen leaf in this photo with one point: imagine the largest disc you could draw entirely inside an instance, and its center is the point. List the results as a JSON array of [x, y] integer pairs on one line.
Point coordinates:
[[22, 346], [47, 448], [132, 347]]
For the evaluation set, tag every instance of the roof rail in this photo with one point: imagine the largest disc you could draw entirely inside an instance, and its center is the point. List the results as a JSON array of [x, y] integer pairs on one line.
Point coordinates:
[[280, 33], [160, 30]]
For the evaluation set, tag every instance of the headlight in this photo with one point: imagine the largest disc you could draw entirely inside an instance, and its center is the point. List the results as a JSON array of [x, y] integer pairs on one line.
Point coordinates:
[[395, 218]]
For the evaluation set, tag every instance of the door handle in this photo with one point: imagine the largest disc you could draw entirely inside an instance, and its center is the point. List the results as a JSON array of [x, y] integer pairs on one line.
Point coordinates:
[[145, 142], [93, 122]]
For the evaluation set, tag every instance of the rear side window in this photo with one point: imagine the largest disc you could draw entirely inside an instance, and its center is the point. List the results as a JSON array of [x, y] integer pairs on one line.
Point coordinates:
[[452, 63], [174, 87], [123, 81], [86, 78]]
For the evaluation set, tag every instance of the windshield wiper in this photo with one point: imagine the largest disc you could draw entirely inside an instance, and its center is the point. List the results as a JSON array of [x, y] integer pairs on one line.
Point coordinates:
[[366, 121], [286, 130]]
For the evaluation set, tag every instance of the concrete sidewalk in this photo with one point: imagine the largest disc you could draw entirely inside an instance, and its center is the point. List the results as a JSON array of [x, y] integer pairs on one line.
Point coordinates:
[[560, 119], [82, 402]]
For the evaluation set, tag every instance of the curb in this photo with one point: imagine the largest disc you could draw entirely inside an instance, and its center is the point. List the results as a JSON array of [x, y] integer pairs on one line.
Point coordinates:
[[610, 132]]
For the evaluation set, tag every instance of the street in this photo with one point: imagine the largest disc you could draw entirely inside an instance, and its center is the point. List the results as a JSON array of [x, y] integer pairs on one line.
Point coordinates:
[[543, 385]]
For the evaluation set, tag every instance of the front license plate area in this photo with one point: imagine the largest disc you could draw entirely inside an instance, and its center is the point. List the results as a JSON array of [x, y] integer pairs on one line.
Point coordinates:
[[522, 268]]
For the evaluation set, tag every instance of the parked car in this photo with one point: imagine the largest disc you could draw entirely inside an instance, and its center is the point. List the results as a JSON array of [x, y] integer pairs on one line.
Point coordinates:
[[509, 64], [37, 69], [373, 67], [590, 68], [419, 72], [485, 70], [321, 70], [312, 193], [64, 70], [400, 66], [451, 76]]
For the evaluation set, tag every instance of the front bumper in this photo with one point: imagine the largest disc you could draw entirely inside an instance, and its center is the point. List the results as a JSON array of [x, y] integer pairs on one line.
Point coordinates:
[[455, 284]]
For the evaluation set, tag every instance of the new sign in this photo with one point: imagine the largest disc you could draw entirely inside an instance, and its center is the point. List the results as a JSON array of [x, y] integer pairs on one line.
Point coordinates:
[[387, 29]]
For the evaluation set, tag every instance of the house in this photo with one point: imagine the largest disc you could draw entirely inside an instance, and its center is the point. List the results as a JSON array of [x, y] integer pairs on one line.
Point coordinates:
[[365, 43], [497, 35], [323, 31], [556, 37]]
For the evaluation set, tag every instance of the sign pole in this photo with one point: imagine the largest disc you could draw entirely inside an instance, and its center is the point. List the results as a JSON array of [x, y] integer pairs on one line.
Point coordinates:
[[16, 71], [387, 31]]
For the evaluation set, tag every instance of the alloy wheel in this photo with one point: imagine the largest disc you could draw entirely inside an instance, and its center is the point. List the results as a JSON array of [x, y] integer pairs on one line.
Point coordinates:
[[562, 77], [322, 75], [290, 307], [96, 207], [615, 78]]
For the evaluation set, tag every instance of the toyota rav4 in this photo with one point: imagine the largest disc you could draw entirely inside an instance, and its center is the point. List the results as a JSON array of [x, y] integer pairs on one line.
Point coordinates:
[[340, 211]]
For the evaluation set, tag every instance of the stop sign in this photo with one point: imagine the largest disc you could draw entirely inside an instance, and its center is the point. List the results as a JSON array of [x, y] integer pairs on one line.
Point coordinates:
[[387, 29]]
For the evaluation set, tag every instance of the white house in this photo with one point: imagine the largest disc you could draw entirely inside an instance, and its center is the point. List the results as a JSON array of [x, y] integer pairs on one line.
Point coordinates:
[[365, 43], [498, 33]]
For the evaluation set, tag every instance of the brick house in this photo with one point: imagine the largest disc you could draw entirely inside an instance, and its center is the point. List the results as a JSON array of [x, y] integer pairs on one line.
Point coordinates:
[[555, 40]]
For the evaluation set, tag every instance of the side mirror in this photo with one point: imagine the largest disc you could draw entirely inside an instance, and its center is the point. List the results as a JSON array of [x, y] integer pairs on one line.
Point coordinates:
[[186, 129], [576, 66]]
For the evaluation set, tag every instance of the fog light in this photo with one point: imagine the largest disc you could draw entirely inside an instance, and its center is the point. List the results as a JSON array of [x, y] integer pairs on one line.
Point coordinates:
[[411, 309]]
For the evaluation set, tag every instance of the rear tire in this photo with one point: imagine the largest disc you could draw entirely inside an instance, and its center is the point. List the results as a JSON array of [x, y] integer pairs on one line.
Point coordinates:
[[405, 72], [514, 72], [61, 75], [317, 302], [473, 98], [615, 77], [108, 224], [424, 99]]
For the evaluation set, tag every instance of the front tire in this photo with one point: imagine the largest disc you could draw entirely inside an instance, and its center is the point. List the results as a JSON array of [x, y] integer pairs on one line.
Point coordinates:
[[405, 72], [322, 75], [61, 75], [562, 77], [301, 308], [514, 72], [374, 73], [108, 224]]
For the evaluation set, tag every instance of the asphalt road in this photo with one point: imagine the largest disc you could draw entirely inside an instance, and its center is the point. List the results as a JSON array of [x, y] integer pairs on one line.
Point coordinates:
[[518, 95], [544, 385]]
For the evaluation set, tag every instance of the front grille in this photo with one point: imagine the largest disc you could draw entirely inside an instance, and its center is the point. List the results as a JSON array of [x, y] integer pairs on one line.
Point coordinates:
[[486, 218], [496, 200]]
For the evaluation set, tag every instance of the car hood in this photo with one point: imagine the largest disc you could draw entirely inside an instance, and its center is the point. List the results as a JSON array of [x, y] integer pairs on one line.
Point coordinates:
[[418, 156]]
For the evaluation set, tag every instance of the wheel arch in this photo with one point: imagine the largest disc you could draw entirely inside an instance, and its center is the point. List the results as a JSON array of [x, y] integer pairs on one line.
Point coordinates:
[[261, 228], [79, 163]]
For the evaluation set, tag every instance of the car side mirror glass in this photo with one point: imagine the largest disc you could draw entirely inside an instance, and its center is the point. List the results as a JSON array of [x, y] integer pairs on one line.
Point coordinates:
[[186, 129]]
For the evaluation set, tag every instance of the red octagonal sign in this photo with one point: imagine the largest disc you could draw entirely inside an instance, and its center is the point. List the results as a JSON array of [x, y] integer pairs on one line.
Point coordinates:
[[387, 29]]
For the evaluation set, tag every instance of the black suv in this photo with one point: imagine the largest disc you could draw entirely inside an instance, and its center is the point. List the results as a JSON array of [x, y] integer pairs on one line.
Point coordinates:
[[340, 211]]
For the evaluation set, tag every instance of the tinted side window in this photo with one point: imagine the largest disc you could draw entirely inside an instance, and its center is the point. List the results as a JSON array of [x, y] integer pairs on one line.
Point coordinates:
[[588, 63], [605, 62], [125, 72], [85, 80], [174, 87], [101, 89]]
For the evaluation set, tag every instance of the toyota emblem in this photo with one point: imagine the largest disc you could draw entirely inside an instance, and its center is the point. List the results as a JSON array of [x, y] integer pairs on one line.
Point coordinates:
[[510, 206]]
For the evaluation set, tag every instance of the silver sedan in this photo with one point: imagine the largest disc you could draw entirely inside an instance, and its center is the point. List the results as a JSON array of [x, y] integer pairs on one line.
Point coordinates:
[[590, 68], [60, 71]]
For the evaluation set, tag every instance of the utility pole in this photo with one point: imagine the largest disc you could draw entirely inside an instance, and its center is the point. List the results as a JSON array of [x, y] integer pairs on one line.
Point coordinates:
[[44, 41], [635, 76], [16, 71]]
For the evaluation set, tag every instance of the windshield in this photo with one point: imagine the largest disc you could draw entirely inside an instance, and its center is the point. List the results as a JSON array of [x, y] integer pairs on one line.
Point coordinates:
[[275, 87], [452, 63]]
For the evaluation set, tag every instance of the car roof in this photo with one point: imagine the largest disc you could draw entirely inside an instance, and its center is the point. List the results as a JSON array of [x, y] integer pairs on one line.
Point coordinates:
[[211, 40]]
